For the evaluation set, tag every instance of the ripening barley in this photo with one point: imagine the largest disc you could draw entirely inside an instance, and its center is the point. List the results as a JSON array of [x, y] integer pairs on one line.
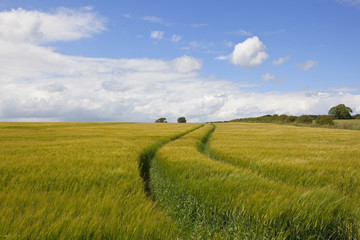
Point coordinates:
[[215, 198], [79, 181]]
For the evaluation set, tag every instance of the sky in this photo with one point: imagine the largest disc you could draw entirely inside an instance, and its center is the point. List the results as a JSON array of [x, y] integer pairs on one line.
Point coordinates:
[[137, 61]]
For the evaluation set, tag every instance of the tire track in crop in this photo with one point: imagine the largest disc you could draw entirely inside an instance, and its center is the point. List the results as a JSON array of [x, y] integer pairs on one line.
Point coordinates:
[[148, 154], [193, 201], [203, 144], [203, 148]]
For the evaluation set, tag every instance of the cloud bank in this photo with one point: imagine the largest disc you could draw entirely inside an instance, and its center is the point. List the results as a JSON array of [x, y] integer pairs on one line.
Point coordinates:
[[39, 84], [19, 25]]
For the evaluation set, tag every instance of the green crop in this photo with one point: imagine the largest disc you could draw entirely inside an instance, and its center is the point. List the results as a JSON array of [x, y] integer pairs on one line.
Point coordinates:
[[79, 181], [218, 199], [178, 181]]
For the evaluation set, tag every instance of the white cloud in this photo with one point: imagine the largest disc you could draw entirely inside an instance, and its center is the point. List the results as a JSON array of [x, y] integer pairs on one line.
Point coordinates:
[[281, 60], [152, 19], [268, 77], [38, 84], [307, 65], [176, 38], [39, 27], [53, 87], [158, 35], [186, 64], [249, 53], [222, 58], [204, 46], [242, 33]]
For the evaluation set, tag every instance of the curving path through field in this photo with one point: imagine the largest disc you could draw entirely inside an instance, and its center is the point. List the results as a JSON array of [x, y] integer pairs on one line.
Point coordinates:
[[148, 154], [214, 199]]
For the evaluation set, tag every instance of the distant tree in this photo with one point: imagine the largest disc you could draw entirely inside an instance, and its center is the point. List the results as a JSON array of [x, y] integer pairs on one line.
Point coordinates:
[[283, 117], [324, 120], [275, 118], [340, 112], [161, 120], [357, 116], [291, 119], [304, 119], [181, 120]]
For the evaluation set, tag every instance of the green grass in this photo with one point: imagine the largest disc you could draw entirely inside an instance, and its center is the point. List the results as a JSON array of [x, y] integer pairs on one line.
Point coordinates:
[[79, 181]]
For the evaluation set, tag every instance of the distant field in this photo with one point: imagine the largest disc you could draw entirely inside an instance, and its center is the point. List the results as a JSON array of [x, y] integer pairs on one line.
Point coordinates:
[[223, 181], [348, 123], [79, 181]]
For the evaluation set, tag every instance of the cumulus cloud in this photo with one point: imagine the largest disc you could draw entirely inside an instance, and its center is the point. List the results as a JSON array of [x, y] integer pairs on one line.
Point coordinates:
[[186, 64], [176, 38], [39, 84], [19, 25], [307, 65], [247, 54], [281, 60], [158, 35]]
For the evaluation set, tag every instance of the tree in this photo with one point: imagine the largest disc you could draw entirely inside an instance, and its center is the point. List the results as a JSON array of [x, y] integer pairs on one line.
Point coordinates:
[[304, 119], [283, 117], [324, 120], [340, 112], [161, 120], [291, 119], [181, 120]]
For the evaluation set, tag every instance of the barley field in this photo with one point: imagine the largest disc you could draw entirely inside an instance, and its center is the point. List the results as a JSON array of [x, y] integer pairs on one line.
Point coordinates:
[[261, 181], [348, 123], [178, 181], [79, 181]]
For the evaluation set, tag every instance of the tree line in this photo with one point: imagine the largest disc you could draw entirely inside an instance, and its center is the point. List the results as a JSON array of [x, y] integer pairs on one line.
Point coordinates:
[[337, 112]]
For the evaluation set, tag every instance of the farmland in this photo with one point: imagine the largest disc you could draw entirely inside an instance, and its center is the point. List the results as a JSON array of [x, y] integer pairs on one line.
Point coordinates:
[[261, 181], [79, 181], [178, 181], [348, 123]]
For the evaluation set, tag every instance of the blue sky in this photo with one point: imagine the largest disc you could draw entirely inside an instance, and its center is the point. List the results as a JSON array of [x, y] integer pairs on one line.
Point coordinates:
[[206, 60]]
